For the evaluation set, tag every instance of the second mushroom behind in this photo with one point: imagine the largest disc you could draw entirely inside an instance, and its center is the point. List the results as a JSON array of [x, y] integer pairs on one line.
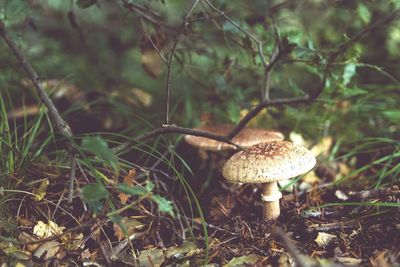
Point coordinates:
[[268, 163]]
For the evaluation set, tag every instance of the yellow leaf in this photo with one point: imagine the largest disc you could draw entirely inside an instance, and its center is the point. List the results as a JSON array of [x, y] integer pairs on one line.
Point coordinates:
[[311, 178], [323, 147], [46, 230], [152, 63], [298, 139], [40, 192]]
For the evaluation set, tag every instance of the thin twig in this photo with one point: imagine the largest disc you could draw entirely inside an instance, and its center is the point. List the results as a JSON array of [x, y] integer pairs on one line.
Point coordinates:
[[237, 26], [72, 175], [315, 93], [167, 129], [185, 23]]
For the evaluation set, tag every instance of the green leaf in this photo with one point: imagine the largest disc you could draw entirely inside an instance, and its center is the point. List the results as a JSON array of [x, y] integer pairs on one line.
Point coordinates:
[[163, 204], [132, 190], [93, 194], [348, 73], [150, 186], [233, 112], [349, 92], [99, 147], [392, 115], [364, 13]]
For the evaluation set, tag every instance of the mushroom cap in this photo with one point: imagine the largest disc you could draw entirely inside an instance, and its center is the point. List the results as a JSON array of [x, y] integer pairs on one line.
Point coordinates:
[[245, 138], [268, 162]]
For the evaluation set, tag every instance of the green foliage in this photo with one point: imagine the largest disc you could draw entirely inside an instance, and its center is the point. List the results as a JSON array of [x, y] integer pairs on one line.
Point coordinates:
[[163, 204], [99, 147], [99, 46], [94, 194]]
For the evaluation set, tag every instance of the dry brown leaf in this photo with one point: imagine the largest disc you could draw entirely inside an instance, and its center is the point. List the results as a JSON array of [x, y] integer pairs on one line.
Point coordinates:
[[152, 63], [96, 232], [24, 222], [25, 237], [23, 111], [132, 225], [47, 250], [59, 89], [128, 179]]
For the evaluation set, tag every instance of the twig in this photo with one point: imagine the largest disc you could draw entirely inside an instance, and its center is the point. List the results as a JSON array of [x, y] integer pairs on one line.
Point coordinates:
[[167, 129], [332, 226], [315, 93], [60, 124], [168, 82], [72, 175], [185, 23], [281, 237], [123, 244], [146, 14], [237, 26]]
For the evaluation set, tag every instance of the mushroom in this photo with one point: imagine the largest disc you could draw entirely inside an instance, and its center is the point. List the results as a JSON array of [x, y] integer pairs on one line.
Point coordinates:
[[268, 163], [245, 138]]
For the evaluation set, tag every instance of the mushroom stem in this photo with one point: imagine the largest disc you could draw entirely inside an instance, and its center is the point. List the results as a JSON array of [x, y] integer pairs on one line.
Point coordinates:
[[270, 196]]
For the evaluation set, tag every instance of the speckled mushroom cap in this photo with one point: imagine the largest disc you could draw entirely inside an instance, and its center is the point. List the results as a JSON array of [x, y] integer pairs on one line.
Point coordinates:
[[268, 162], [245, 138]]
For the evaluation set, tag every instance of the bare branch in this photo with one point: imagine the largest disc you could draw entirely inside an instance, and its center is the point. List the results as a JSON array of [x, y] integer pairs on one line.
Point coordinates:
[[60, 124], [167, 129], [316, 92]]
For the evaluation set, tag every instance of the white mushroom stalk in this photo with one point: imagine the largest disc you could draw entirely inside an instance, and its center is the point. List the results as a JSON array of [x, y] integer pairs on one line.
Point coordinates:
[[269, 163]]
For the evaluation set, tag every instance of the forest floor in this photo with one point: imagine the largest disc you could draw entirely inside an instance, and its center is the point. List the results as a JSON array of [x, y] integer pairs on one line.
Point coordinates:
[[322, 225]]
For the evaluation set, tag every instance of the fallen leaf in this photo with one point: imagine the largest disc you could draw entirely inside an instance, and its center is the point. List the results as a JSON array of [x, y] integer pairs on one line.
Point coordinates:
[[43, 230], [14, 251], [349, 261], [128, 179], [156, 257], [152, 63], [40, 192], [60, 89], [298, 139], [323, 147], [344, 170], [324, 239], [132, 225], [25, 237], [47, 250], [142, 96], [23, 111], [248, 260], [311, 178]]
